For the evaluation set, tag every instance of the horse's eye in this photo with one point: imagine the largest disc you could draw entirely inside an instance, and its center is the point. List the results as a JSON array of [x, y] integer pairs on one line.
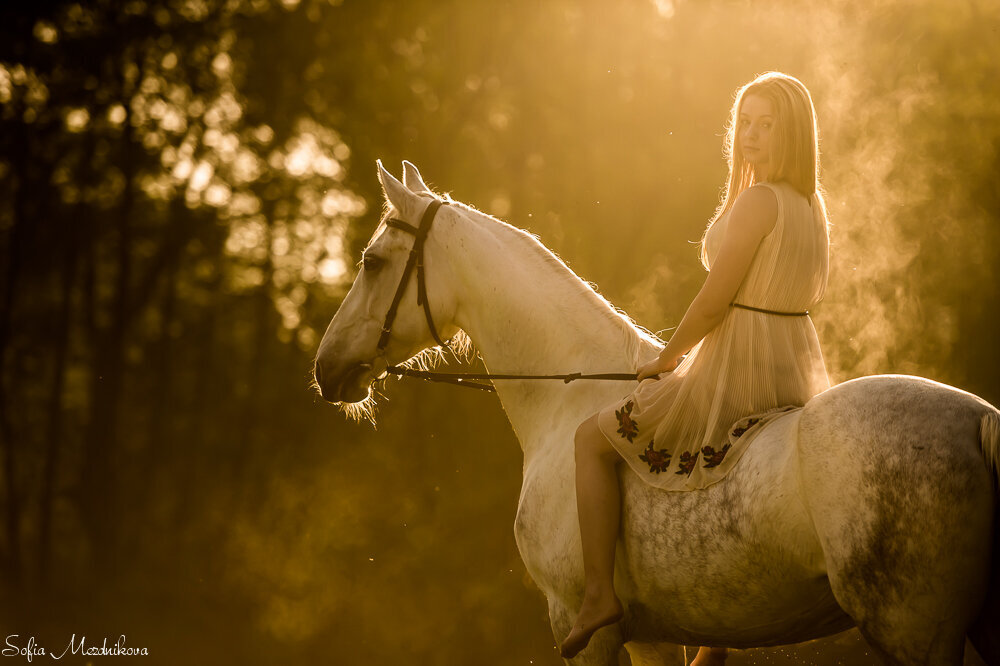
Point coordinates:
[[372, 262]]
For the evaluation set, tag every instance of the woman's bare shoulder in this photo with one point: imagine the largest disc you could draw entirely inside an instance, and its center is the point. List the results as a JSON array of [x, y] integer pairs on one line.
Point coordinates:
[[756, 208]]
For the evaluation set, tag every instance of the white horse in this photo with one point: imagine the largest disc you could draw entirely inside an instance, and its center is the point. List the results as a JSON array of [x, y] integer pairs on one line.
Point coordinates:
[[874, 506]]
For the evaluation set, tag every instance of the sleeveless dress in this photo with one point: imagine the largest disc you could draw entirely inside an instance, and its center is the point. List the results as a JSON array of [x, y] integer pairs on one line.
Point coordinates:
[[681, 432]]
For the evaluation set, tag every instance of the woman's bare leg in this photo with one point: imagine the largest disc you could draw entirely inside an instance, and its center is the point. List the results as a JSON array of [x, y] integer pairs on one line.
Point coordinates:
[[598, 503], [706, 656]]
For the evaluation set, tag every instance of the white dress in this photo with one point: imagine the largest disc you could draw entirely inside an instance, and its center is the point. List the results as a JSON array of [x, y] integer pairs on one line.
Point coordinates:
[[680, 432]]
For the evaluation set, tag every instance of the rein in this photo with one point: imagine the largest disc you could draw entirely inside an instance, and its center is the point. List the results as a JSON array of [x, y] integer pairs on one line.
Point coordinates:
[[462, 378], [416, 261]]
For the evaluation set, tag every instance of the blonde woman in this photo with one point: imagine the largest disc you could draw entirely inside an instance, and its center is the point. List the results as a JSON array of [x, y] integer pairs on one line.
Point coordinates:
[[745, 345]]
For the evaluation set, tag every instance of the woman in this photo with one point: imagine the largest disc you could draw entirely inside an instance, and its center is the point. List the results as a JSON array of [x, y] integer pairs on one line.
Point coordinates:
[[745, 345]]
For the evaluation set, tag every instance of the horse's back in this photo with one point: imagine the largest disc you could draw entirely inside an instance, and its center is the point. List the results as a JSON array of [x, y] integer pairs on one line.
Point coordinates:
[[902, 502]]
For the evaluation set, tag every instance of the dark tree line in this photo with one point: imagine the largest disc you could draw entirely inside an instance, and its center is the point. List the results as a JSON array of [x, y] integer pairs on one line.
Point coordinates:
[[134, 149]]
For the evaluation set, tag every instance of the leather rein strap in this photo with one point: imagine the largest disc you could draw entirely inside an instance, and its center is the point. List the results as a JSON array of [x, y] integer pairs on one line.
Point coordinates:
[[465, 378], [416, 260]]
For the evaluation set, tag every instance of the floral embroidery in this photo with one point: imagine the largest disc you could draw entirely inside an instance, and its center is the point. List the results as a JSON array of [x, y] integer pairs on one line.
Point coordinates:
[[658, 460], [740, 429], [627, 428], [712, 457], [687, 463]]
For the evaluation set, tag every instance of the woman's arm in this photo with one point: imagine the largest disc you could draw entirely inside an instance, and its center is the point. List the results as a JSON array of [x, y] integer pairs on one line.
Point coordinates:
[[753, 216]]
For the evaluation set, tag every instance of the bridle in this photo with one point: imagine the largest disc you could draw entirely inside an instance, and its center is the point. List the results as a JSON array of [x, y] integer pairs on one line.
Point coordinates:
[[415, 260]]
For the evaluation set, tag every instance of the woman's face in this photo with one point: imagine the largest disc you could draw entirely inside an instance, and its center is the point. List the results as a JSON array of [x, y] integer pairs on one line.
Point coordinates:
[[754, 132]]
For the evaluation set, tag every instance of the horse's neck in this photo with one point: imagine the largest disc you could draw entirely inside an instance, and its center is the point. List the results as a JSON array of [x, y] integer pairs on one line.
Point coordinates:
[[529, 315]]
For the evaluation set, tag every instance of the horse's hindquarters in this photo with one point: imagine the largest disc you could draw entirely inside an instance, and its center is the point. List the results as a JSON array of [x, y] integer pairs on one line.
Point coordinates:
[[902, 502]]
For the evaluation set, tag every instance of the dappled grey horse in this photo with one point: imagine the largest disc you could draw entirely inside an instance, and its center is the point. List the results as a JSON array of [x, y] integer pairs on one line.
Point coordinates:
[[873, 506]]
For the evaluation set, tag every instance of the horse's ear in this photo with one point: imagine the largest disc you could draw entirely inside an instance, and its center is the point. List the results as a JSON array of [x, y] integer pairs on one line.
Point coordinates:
[[403, 200], [412, 179]]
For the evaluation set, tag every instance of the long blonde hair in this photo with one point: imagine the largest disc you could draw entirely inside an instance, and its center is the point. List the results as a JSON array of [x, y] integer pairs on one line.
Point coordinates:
[[794, 154]]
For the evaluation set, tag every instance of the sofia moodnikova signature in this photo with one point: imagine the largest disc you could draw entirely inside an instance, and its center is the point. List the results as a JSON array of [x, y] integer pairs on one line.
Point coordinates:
[[31, 649]]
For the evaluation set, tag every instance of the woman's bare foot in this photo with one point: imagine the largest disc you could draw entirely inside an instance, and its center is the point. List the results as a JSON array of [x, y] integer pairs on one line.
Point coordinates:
[[710, 656], [596, 612]]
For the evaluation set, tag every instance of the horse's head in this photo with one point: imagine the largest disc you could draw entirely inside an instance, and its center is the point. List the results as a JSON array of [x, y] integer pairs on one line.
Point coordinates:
[[350, 356]]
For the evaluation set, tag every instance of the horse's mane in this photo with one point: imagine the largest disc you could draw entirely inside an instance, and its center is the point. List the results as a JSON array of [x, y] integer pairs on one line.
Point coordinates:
[[633, 334]]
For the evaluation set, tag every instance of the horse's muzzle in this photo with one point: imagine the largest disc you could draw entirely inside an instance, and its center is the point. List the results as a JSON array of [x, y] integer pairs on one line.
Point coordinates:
[[349, 385]]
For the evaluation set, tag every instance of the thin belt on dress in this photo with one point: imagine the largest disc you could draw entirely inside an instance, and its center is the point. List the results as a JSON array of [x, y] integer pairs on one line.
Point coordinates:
[[771, 312]]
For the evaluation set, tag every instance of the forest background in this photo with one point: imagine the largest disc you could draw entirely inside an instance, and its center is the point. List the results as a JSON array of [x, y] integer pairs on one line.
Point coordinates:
[[185, 187]]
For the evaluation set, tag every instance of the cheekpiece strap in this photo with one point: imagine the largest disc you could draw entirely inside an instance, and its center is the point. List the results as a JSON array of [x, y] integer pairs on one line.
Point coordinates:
[[416, 259]]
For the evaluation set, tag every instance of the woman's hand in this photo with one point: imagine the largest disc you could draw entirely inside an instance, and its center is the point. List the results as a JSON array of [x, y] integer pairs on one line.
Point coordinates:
[[658, 365]]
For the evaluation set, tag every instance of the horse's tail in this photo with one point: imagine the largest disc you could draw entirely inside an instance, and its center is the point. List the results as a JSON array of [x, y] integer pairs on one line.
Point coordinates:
[[983, 633], [989, 441]]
